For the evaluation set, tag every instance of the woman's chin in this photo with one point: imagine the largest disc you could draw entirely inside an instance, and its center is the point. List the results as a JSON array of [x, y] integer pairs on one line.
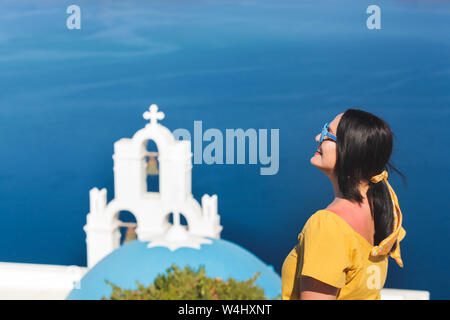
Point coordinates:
[[315, 161]]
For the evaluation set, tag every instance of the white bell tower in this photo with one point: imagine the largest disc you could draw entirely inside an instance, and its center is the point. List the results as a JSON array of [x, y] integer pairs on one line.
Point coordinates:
[[151, 209]]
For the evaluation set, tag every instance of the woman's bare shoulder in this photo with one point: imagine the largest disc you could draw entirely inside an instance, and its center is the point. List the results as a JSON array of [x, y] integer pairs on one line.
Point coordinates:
[[358, 219]]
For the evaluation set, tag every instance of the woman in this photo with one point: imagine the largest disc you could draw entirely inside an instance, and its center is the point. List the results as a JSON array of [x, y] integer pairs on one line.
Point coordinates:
[[342, 250]]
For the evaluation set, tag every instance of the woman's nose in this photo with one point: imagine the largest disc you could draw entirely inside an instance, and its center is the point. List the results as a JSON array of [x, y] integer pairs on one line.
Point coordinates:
[[317, 138]]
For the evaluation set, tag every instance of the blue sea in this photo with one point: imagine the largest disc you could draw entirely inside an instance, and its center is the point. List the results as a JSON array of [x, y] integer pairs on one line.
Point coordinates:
[[67, 95]]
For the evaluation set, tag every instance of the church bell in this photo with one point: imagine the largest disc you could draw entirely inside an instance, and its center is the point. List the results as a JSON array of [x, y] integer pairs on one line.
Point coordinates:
[[152, 167]]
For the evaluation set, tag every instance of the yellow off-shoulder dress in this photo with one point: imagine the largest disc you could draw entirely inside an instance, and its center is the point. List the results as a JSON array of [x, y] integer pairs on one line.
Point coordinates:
[[331, 251]]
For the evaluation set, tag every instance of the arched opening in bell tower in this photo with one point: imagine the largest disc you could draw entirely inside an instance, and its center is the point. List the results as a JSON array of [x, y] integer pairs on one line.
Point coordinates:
[[127, 226], [151, 166], [181, 220]]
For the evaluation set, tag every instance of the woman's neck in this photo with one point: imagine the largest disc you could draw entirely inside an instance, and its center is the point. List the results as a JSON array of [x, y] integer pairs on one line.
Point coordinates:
[[337, 192], [338, 196]]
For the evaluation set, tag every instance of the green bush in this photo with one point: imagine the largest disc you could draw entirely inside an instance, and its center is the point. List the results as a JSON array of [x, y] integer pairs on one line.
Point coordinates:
[[189, 284]]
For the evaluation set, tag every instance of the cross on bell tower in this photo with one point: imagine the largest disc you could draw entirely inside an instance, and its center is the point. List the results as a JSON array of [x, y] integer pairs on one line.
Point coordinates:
[[153, 114]]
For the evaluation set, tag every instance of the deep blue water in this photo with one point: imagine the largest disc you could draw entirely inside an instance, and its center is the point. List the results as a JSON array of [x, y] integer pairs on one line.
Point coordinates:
[[67, 95]]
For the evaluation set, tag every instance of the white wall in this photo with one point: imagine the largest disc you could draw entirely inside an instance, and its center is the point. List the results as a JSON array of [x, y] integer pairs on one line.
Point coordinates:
[[38, 281], [24, 281], [400, 294]]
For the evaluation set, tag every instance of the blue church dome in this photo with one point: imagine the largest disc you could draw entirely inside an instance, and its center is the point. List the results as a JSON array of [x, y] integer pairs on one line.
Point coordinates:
[[134, 261]]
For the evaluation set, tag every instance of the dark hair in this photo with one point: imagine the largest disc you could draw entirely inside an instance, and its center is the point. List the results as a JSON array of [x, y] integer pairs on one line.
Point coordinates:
[[364, 146]]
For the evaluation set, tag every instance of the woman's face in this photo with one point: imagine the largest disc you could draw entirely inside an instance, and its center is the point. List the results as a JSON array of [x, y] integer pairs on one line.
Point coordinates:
[[325, 156]]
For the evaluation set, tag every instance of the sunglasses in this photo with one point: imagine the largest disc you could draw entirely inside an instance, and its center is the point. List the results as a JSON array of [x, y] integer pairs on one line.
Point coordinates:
[[325, 133]]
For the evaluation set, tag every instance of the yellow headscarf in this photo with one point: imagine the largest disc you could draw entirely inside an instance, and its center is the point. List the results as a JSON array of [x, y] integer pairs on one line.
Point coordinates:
[[398, 233]]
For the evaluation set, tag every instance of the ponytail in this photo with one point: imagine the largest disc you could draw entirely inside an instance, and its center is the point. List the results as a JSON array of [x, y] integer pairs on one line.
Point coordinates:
[[382, 210]]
